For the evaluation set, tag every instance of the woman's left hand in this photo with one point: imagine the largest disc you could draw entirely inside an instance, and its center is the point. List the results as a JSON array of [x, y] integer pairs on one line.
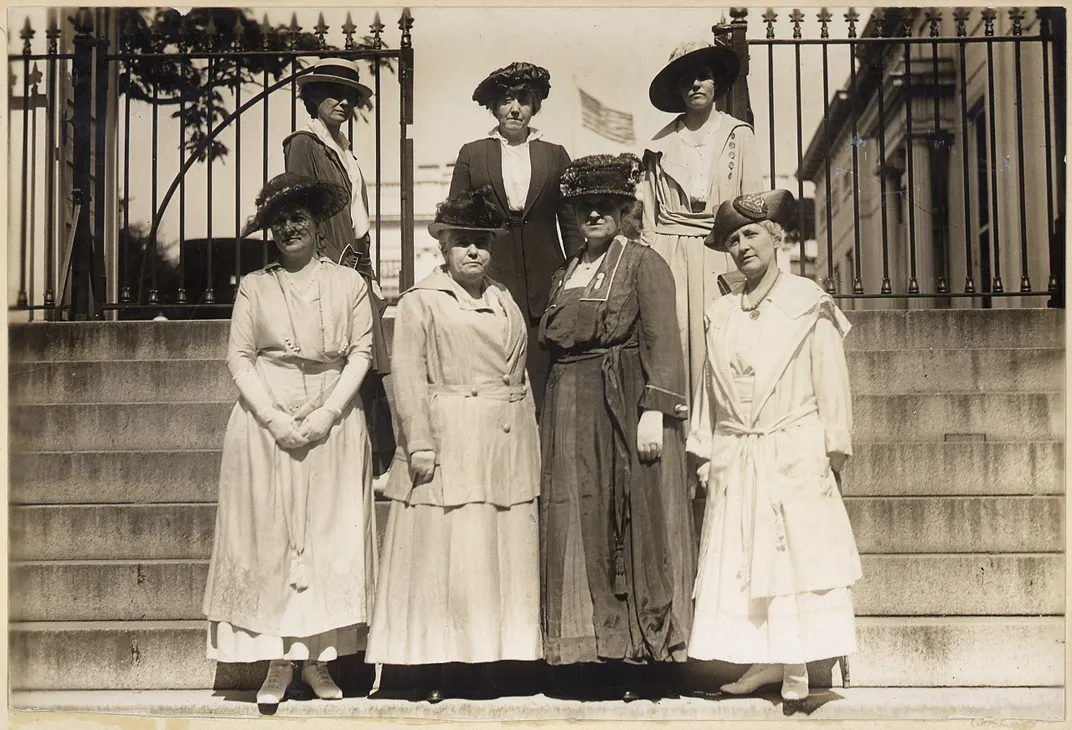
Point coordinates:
[[316, 425], [650, 436]]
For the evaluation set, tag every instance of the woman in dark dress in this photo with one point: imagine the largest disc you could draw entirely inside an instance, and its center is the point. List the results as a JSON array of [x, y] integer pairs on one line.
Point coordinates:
[[523, 170], [617, 539], [321, 151]]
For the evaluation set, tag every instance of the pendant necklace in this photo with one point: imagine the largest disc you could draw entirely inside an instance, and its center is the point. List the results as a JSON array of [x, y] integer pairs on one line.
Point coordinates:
[[753, 309]]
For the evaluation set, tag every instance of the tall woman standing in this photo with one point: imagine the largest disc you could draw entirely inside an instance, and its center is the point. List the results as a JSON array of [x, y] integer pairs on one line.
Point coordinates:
[[331, 93], [773, 429], [523, 170], [697, 161], [618, 557], [293, 565]]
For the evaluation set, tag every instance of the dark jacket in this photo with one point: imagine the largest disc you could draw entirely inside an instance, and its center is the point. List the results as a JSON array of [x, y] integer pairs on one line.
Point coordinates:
[[527, 256]]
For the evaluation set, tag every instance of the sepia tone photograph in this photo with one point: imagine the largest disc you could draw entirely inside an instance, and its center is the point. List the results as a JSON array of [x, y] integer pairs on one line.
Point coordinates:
[[521, 364]]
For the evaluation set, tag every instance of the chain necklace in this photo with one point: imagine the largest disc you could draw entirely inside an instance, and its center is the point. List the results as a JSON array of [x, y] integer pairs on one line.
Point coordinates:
[[753, 309]]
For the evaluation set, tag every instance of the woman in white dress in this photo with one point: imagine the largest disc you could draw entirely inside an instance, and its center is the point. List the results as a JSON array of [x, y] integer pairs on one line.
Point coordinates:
[[700, 159], [772, 429], [293, 566], [460, 580]]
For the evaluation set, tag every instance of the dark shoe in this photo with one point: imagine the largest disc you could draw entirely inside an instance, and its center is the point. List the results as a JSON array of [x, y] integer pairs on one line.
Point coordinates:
[[434, 697], [630, 696]]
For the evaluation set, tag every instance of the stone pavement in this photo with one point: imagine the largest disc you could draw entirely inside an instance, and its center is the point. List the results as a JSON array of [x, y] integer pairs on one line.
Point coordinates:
[[1007, 704]]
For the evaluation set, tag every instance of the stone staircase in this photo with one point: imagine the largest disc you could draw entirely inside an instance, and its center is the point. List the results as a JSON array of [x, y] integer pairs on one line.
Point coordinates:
[[956, 496]]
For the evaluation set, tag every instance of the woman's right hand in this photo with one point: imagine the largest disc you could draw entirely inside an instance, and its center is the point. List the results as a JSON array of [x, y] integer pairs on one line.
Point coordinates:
[[422, 466], [285, 430]]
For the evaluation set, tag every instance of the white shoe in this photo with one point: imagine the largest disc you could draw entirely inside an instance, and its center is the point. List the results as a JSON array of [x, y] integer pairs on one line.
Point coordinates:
[[795, 682], [315, 674], [758, 675], [280, 673]]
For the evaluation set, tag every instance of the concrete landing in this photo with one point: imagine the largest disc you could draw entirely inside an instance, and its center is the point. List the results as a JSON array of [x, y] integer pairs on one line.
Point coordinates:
[[1044, 704]]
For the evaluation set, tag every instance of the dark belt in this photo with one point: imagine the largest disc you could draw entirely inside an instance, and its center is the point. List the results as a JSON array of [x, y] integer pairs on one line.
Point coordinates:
[[621, 459]]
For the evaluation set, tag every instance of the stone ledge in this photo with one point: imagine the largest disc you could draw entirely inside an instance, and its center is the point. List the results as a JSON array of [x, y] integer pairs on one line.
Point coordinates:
[[1008, 704]]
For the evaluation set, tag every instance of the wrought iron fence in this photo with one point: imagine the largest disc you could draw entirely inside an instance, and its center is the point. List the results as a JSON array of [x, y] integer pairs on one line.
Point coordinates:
[[169, 59], [918, 61]]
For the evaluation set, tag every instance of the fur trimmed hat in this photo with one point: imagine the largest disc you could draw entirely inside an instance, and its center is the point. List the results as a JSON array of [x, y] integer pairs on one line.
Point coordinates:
[[601, 175], [773, 205], [469, 210], [718, 56], [530, 76], [291, 190]]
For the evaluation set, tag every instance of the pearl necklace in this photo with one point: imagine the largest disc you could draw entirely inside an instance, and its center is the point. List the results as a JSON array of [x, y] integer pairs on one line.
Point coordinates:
[[753, 309]]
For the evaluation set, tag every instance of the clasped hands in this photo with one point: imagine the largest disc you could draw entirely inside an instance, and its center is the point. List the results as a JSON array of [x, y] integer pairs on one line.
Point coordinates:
[[294, 432]]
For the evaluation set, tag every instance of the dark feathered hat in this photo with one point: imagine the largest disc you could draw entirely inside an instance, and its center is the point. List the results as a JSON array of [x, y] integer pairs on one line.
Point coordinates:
[[469, 210], [530, 76], [291, 190], [773, 205], [718, 56], [601, 175]]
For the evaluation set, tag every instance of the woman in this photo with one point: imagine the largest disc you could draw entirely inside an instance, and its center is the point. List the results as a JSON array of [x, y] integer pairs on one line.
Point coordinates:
[[617, 542], [693, 164], [321, 151], [460, 579], [772, 428], [294, 561], [523, 170]]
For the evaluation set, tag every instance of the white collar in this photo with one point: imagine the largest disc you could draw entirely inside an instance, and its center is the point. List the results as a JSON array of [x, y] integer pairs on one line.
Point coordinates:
[[533, 134], [320, 129]]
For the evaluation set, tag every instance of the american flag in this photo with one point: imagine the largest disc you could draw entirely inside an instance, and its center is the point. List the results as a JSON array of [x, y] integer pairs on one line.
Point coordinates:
[[614, 125]]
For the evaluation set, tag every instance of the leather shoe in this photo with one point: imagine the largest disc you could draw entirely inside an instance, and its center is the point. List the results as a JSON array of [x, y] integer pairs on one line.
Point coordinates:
[[315, 674], [434, 696], [274, 688], [758, 675]]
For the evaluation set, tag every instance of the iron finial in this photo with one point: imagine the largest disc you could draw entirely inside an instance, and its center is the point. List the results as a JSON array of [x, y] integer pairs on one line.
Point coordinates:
[[934, 17], [797, 17], [824, 17], [239, 32], [27, 34], [961, 16], [852, 18], [989, 15], [348, 30], [769, 17], [321, 31], [405, 24], [377, 31], [265, 28], [1017, 16]]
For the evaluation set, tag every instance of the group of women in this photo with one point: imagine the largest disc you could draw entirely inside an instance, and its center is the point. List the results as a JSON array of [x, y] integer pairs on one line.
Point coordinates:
[[562, 388]]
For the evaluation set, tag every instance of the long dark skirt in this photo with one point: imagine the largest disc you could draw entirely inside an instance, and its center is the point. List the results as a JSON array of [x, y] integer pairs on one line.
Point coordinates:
[[583, 618]]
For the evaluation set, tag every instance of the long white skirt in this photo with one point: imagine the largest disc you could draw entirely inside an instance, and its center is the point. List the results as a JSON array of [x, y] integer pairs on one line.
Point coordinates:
[[227, 643], [731, 626], [458, 584]]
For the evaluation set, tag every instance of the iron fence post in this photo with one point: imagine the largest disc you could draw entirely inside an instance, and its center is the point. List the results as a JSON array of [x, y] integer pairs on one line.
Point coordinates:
[[82, 299]]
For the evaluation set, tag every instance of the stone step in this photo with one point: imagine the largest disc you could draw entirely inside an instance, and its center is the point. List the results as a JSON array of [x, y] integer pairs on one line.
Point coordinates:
[[956, 329], [151, 590], [893, 652], [873, 330], [199, 425], [882, 525], [120, 532], [987, 705], [878, 372], [953, 468]]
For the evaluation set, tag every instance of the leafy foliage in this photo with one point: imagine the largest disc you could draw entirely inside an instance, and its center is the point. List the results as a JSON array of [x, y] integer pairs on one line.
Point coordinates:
[[196, 86]]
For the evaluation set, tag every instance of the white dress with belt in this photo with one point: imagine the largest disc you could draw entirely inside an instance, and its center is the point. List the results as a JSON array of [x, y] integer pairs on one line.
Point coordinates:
[[777, 553]]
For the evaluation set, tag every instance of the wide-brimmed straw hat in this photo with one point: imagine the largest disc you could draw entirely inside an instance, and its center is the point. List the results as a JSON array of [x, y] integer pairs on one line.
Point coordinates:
[[719, 56], [518, 74], [615, 175], [289, 191], [773, 205], [469, 210], [336, 71]]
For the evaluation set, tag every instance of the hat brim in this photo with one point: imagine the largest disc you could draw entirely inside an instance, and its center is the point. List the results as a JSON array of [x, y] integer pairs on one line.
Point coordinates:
[[724, 64], [315, 78], [323, 199], [780, 209], [434, 229]]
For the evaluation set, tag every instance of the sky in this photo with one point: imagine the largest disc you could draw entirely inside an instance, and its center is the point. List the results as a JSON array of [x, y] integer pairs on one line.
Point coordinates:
[[611, 53]]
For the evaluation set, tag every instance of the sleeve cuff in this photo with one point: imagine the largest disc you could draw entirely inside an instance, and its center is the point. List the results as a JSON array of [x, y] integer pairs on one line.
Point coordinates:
[[423, 444], [672, 404], [838, 441]]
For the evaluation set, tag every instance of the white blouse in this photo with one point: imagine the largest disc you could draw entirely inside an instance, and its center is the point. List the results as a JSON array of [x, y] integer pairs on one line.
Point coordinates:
[[702, 157], [516, 168]]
